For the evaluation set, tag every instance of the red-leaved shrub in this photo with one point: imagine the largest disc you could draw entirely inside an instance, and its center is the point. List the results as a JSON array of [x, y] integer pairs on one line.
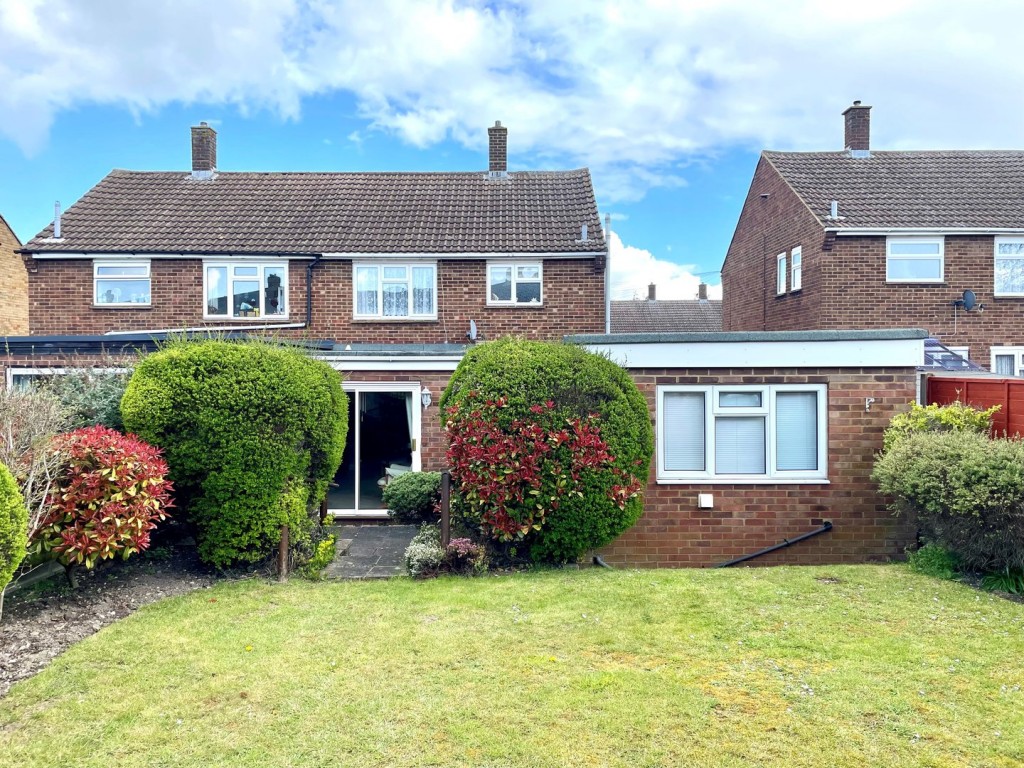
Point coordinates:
[[511, 478], [109, 496]]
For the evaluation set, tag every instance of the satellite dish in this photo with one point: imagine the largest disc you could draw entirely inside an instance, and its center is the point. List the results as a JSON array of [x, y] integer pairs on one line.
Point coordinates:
[[472, 331], [970, 300]]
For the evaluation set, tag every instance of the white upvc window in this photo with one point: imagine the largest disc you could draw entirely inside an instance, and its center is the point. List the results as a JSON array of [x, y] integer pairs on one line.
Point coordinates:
[[515, 283], [780, 274], [241, 289], [121, 283], [914, 259], [742, 433], [1009, 266], [395, 291], [796, 266], [1008, 361]]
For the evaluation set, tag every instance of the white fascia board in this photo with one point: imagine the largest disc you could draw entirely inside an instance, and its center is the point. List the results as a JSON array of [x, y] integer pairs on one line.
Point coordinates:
[[494, 255], [879, 231], [445, 364], [889, 353], [54, 256]]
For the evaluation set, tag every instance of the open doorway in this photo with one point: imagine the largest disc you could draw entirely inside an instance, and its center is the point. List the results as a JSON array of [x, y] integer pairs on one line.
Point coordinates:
[[382, 443]]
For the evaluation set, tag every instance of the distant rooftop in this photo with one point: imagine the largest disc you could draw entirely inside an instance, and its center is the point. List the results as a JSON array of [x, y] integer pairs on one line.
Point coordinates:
[[659, 316]]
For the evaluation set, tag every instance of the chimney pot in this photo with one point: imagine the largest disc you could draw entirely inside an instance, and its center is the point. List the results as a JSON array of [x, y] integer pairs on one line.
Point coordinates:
[[204, 151], [858, 129], [702, 292], [651, 292], [498, 148]]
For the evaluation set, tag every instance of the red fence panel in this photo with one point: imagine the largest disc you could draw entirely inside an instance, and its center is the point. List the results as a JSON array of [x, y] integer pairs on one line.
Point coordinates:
[[1008, 394]]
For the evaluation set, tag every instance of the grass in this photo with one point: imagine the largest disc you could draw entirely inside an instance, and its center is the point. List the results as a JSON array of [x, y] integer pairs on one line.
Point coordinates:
[[839, 666]]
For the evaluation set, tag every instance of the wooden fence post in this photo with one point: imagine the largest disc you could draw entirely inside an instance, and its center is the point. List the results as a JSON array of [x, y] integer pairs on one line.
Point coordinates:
[[446, 508], [282, 556]]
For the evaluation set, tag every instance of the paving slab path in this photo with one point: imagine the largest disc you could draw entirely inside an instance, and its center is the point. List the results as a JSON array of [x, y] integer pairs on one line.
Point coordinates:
[[369, 551]]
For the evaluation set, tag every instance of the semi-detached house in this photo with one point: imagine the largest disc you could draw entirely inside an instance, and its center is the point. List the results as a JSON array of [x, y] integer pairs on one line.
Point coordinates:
[[760, 437]]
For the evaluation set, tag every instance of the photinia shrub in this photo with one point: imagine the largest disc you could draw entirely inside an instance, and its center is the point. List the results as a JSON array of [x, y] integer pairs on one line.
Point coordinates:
[[105, 502], [511, 477]]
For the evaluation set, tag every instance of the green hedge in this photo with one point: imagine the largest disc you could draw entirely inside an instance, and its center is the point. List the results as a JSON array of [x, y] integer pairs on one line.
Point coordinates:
[[954, 417], [580, 383], [253, 433], [13, 527]]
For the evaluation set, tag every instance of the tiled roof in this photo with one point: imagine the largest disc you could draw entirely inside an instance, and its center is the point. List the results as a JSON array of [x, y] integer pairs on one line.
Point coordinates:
[[145, 211], [645, 316], [909, 189]]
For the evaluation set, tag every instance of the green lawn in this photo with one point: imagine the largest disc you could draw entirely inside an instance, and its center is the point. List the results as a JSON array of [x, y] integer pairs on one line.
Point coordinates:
[[838, 666]]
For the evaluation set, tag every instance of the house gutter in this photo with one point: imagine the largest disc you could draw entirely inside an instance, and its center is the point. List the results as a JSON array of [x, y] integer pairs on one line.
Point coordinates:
[[862, 231], [785, 543], [210, 328]]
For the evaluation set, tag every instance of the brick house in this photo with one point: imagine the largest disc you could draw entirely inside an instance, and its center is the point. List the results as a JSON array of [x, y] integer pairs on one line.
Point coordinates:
[[389, 276], [654, 315], [14, 309], [865, 239]]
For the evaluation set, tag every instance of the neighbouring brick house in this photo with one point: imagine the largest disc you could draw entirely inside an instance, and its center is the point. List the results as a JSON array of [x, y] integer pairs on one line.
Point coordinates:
[[866, 239], [14, 309], [389, 276]]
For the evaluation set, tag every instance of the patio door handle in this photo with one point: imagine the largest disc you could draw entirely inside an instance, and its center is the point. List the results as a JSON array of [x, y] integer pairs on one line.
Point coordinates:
[[414, 444]]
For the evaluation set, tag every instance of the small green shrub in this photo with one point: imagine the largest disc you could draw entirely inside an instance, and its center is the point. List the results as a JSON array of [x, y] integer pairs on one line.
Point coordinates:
[[579, 386], [955, 417], [413, 497], [13, 527], [424, 555], [323, 555], [966, 492], [253, 433], [1007, 580], [933, 560], [90, 396]]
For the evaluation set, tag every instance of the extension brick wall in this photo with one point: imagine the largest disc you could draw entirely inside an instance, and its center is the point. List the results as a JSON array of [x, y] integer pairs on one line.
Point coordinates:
[[14, 308], [673, 532], [845, 288], [61, 302]]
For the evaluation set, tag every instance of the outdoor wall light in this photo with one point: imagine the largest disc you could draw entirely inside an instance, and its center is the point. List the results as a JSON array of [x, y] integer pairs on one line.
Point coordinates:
[[426, 398]]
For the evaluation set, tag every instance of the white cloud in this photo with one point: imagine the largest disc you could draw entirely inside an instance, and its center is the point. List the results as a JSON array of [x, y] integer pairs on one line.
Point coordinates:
[[636, 90], [633, 269]]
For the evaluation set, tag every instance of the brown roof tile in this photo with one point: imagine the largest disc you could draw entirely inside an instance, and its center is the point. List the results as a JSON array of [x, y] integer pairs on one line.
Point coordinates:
[[646, 316], [145, 211], [909, 189]]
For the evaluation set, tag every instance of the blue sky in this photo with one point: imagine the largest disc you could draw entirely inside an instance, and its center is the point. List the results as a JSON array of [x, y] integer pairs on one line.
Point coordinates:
[[667, 102]]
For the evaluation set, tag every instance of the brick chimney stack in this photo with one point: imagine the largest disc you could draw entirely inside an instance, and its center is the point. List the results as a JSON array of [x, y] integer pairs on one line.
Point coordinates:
[[702, 292], [498, 153], [204, 151], [858, 129], [652, 292]]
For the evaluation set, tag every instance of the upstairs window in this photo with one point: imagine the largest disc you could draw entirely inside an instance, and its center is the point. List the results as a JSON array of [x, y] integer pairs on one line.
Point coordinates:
[[1008, 361], [1009, 267], [780, 274], [395, 291], [515, 284], [121, 283], [796, 269], [742, 433], [246, 289], [914, 259]]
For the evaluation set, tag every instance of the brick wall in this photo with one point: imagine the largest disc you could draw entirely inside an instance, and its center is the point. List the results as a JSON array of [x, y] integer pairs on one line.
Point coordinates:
[[61, 302], [767, 227], [673, 532], [14, 307]]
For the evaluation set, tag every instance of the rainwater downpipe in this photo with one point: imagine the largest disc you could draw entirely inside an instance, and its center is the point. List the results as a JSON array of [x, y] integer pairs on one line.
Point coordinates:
[[309, 289], [785, 543]]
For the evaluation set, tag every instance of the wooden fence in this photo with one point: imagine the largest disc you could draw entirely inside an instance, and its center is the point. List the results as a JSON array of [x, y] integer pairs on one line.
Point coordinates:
[[1008, 394]]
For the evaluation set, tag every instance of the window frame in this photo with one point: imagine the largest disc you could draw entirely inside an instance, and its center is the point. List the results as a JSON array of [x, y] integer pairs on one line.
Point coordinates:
[[98, 264], [229, 265], [940, 239], [780, 274], [796, 268], [380, 317], [713, 409], [995, 260], [1018, 359], [514, 266]]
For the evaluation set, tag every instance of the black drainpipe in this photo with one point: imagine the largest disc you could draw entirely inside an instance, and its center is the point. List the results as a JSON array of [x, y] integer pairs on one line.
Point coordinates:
[[309, 289], [785, 543]]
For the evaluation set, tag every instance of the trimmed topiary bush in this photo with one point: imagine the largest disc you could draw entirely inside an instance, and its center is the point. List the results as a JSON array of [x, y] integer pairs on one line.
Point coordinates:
[[253, 433], [568, 394], [413, 497], [110, 494], [13, 528]]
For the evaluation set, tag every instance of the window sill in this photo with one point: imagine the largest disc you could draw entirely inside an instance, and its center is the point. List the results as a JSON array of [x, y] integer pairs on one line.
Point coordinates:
[[122, 306], [236, 320], [1008, 296], [511, 305], [744, 480], [932, 283], [796, 290], [394, 319]]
